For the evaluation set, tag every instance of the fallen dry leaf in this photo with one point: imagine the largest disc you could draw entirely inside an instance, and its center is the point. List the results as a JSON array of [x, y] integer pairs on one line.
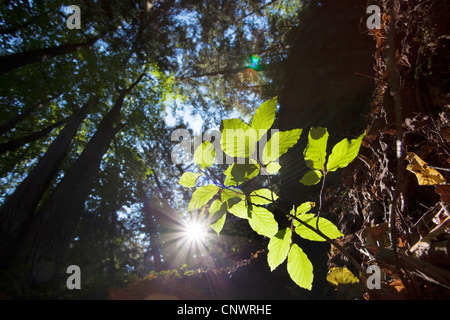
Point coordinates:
[[426, 176], [397, 285], [341, 275]]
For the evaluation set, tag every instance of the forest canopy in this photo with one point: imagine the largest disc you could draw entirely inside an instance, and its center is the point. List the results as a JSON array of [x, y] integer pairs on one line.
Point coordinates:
[[224, 149], [87, 115]]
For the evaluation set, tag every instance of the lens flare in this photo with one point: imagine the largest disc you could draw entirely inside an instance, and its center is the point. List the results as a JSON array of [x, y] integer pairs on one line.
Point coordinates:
[[195, 231]]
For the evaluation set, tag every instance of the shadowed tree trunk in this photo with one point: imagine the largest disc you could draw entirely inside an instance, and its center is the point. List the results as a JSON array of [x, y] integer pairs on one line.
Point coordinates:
[[43, 246], [25, 199]]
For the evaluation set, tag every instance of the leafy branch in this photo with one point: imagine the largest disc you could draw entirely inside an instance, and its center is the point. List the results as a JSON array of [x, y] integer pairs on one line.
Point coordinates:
[[240, 141]]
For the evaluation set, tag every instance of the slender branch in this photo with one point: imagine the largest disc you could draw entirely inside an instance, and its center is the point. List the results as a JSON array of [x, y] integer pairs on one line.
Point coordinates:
[[320, 198], [438, 168]]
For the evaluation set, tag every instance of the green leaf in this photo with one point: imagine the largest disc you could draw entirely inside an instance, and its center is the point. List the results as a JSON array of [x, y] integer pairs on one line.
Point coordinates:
[[316, 150], [228, 182], [232, 193], [279, 144], [238, 208], [311, 178], [263, 222], [262, 196], [188, 179], [205, 154], [215, 207], [235, 201], [264, 117], [325, 226], [217, 212], [343, 153], [299, 267], [238, 173], [278, 247], [202, 195], [304, 208], [238, 139], [341, 275], [273, 167], [218, 225]]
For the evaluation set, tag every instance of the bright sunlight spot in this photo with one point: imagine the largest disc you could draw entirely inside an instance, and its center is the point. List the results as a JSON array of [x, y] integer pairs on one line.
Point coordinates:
[[195, 231]]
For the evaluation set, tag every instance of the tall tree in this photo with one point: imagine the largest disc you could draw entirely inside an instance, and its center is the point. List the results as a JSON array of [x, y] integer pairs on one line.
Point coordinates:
[[23, 202], [50, 230], [186, 46]]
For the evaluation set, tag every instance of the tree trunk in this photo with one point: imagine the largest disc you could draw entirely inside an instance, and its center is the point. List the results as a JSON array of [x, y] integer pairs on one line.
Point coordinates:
[[48, 235], [16, 60], [25, 199]]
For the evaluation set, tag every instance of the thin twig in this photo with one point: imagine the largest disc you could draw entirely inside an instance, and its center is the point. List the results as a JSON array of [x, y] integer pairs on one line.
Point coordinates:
[[320, 199], [438, 168]]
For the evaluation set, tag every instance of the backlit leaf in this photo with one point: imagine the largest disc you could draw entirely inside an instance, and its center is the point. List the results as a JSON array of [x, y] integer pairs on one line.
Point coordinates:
[[205, 154], [263, 222], [273, 167], [218, 225], [264, 117], [278, 248], [238, 208], [188, 179], [232, 193], [343, 153], [279, 143], [325, 226], [263, 196], [217, 212], [202, 195], [238, 139], [311, 177], [238, 173], [316, 149], [305, 207], [300, 268], [214, 207]]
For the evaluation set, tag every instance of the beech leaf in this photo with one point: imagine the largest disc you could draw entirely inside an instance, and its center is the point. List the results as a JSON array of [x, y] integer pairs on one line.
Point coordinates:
[[300, 268], [278, 248]]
